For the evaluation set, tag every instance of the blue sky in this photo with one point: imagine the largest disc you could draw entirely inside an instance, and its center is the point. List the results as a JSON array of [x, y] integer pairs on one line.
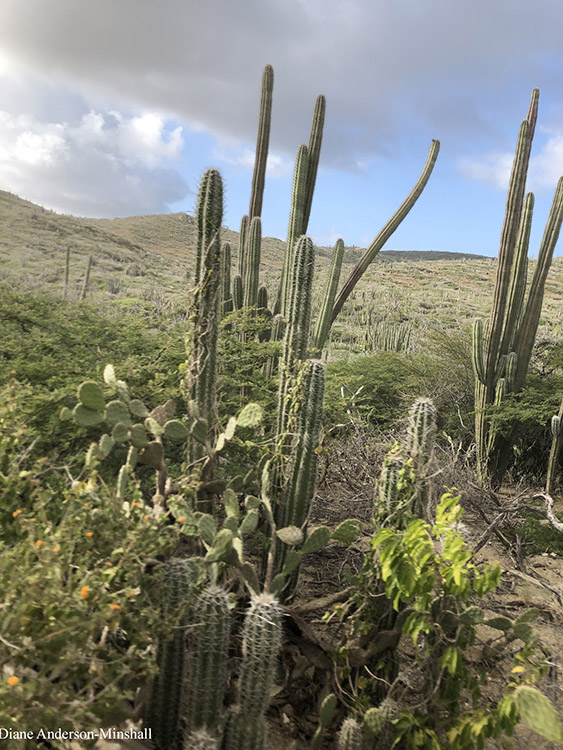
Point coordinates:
[[115, 108]]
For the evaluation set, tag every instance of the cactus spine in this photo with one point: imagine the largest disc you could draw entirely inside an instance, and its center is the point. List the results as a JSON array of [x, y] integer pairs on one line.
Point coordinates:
[[350, 736], [504, 352], [555, 452], [323, 322], [208, 658], [261, 643], [166, 696]]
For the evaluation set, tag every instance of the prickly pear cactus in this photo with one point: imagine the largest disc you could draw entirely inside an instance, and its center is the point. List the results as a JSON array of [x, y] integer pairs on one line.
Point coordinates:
[[350, 736]]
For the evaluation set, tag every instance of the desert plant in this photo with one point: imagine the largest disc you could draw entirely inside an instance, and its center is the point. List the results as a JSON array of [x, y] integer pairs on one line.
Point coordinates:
[[555, 451], [502, 354]]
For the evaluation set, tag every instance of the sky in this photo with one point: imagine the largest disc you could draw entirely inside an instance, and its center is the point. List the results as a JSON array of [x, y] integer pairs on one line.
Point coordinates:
[[116, 107]]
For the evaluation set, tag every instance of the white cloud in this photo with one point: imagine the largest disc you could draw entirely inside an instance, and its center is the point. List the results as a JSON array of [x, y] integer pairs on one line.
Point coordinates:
[[104, 164], [492, 169], [242, 156]]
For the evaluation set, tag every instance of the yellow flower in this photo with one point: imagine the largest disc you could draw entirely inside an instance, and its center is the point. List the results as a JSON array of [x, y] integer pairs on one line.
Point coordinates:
[[16, 513], [38, 543], [134, 504], [146, 518], [181, 519], [89, 533], [84, 592], [114, 606], [13, 680], [109, 564]]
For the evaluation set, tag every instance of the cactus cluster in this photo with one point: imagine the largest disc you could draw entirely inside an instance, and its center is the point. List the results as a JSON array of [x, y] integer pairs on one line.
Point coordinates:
[[502, 353]]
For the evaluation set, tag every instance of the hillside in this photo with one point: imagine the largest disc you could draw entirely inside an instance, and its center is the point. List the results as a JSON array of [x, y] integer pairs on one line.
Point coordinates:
[[144, 259]]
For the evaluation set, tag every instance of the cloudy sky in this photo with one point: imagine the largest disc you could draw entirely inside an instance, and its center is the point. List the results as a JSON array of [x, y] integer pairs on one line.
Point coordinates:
[[115, 108]]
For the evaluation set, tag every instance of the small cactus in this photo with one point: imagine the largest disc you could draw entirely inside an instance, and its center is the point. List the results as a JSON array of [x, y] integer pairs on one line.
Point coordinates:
[[350, 736]]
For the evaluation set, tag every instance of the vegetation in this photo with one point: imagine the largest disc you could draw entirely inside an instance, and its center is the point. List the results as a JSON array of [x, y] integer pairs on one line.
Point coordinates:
[[171, 478]]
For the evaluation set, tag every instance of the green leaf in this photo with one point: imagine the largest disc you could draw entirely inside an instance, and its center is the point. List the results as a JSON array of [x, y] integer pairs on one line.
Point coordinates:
[[291, 535], [524, 631], [250, 416], [538, 713], [91, 396], [316, 540], [221, 548], [117, 411], [87, 417], [176, 430], [347, 531]]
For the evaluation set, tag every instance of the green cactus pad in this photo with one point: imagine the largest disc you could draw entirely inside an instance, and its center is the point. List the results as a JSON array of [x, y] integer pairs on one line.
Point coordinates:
[[138, 436], [138, 409], [347, 531], [317, 539], [250, 416], [117, 411], [199, 431], [176, 430], [154, 426], [153, 455], [109, 376], [120, 433], [291, 535], [65, 414], [538, 713], [106, 444], [122, 482], [249, 522], [91, 396], [87, 417], [222, 546]]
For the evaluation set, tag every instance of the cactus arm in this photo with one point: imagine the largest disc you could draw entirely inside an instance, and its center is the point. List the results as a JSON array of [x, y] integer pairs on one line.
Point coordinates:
[[530, 319], [323, 322], [226, 296], [512, 217], [244, 225], [250, 295], [262, 143], [298, 194], [387, 230], [315, 141]]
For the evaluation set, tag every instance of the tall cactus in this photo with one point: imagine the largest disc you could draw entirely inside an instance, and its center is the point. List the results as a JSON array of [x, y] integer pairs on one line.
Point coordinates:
[[208, 658], [555, 452], [261, 643], [421, 432], [200, 382], [502, 354], [166, 694], [251, 280], [226, 296], [262, 143], [322, 326]]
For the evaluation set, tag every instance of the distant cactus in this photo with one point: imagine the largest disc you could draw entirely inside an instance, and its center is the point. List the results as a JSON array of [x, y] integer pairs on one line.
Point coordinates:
[[86, 278], [237, 292], [251, 279], [262, 143]]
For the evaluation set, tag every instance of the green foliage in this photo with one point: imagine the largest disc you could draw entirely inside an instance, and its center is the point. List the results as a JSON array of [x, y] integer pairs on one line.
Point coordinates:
[[82, 619]]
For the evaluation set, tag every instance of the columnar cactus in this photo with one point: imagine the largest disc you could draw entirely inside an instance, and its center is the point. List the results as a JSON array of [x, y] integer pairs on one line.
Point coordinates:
[[322, 326], [237, 292], [421, 432], [261, 643], [208, 216], [555, 452], [504, 351], [314, 150], [350, 736], [251, 280], [262, 143], [166, 695], [388, 489], [226, 296], [208, 658]]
